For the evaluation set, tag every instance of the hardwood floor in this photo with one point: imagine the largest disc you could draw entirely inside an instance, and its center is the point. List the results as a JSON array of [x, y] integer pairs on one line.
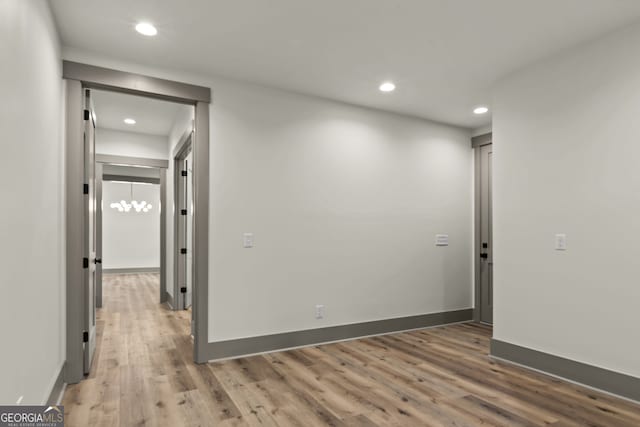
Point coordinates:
[[143, 375]]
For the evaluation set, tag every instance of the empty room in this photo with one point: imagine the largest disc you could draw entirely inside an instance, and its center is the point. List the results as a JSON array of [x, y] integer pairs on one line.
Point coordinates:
[[320, 213]]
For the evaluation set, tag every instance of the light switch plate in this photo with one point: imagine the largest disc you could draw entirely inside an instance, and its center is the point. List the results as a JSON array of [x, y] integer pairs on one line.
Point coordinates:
[[561, 242], [247, 240], [442, 240]]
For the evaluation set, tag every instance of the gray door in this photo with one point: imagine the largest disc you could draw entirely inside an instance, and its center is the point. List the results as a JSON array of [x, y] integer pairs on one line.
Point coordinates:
[[184, 230], [99, 205], [486, 235], [189, 229], [90, 261]]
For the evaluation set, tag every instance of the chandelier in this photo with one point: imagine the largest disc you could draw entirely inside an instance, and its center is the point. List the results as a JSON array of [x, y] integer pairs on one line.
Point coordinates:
[[124, 206]]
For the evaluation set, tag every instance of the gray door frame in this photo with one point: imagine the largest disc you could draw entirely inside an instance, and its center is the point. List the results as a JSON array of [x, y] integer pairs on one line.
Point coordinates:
[[180, 152], [74, 177], [76, 77], [476, 143], [161, 166]]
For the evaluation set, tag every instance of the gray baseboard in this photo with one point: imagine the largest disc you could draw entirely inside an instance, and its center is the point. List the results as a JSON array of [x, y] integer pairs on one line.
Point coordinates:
[[56, 390], [589, 375], [266, 343], [131, 270]]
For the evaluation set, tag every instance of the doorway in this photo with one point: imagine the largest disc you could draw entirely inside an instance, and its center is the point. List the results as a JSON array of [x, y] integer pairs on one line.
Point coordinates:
[[131, 238], [484, 228], [82, 207]]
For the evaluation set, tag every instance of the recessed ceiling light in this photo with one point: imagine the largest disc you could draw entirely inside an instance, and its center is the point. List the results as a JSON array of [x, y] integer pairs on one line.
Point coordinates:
[[387, 87], [146, 29], [130, 121], [480, 110]]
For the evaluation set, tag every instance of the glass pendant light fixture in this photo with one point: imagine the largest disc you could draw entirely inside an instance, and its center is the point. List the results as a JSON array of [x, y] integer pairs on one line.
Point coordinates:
[[124, 206]]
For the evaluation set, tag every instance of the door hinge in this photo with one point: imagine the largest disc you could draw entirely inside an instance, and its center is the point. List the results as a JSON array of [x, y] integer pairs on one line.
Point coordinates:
[[183, 250], [86, 114], [85, 262], [183, 211], [184, 173], [183, 290], [85, 336], [85, 188]]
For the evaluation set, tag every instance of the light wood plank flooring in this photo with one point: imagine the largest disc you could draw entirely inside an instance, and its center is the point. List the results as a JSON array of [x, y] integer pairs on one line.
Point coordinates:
[[143, 375]]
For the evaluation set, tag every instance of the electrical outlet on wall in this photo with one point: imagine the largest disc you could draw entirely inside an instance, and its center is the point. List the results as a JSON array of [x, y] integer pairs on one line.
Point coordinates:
[[561, 242], [319, 311], [247, 240], [442, 240]]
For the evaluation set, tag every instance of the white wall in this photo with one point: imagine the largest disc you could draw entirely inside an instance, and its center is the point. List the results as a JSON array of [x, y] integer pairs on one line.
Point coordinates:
[[32, 318], [344, 203], [131, 144], [130, 239], [481, 130], [567, 160]]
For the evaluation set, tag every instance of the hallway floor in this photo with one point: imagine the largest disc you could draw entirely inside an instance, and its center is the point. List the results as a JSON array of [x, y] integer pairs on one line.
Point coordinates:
[[143, 374]]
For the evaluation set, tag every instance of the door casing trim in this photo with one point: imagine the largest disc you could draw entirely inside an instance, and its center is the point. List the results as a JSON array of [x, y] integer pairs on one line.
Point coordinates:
[[77, 77], [136, 84], [74, 178], [161, 165], [480, 140], [132, 161]]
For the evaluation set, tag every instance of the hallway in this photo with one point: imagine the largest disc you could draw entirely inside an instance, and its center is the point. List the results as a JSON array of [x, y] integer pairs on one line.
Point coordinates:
[[143, 375], [138, 342]]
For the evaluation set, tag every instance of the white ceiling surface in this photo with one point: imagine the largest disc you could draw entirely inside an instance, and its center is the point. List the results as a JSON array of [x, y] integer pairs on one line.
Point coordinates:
[[152, 116], [444, 55]]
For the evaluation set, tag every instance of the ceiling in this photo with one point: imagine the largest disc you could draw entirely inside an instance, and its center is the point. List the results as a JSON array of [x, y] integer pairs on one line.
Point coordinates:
[[152, 116], [444, 55]]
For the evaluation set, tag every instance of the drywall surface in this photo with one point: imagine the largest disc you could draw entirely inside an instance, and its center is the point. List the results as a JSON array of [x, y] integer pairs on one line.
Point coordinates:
[[344, 204], [566, 161], [131, 239], [481, 130], [130, 144], [32, 221]]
